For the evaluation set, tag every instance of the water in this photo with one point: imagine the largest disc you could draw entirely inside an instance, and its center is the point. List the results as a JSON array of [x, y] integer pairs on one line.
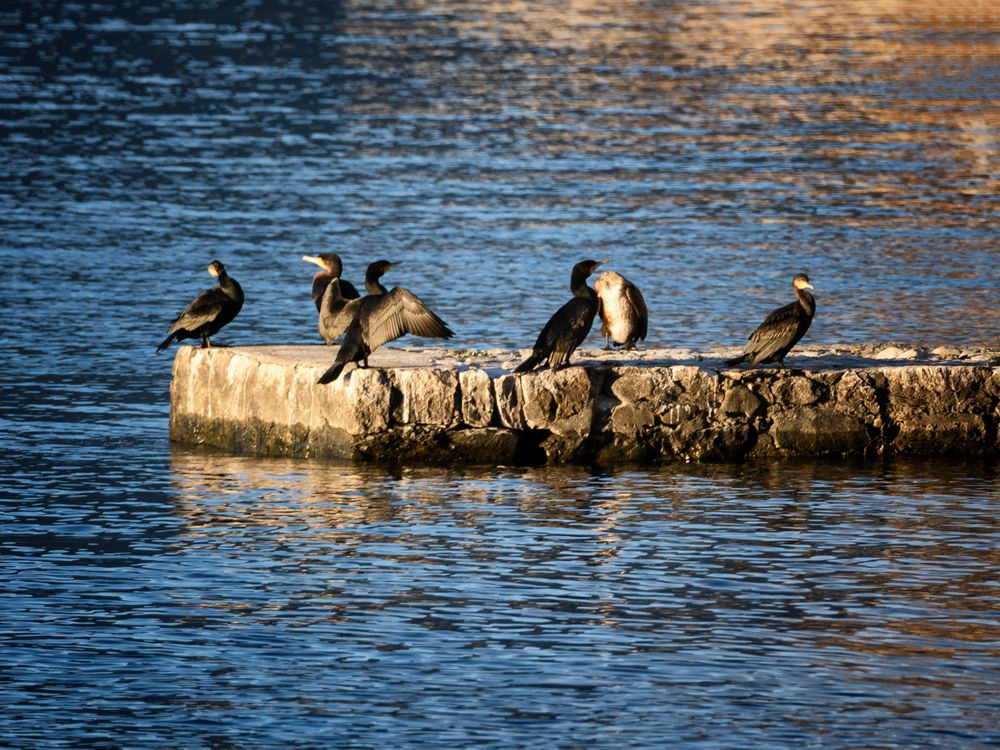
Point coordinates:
[[160, 597]]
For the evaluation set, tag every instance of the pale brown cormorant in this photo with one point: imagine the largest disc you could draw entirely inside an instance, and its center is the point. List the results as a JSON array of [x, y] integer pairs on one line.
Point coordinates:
[[382, 316], [570, 325], [332, 268], [209, 311], [782, 329], [623, 312], [331, 295]]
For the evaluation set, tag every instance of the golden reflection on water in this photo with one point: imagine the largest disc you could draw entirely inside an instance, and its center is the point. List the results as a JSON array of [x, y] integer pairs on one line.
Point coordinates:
[[780, 66]]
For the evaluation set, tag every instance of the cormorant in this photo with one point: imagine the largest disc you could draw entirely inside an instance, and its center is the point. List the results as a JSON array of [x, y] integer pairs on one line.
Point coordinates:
[[782, 329], [332, 269], [570, 325], [331, 295], [623, 312], [209, 311], [382, 316]]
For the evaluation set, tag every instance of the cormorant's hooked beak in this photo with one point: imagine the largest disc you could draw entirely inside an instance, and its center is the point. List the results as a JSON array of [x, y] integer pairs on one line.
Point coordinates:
[[602, 262], [314, 259], [807, 285], [393, 265], [213, 271]]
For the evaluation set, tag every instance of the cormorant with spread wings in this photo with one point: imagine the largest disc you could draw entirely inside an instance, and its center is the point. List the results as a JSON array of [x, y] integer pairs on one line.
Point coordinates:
[[382, 316]]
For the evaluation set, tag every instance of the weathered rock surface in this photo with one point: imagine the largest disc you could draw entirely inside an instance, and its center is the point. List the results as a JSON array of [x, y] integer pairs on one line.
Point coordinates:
[[642, 406]]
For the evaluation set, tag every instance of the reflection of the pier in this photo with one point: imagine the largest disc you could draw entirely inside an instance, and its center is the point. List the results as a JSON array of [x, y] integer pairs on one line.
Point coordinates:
[[890, 558]]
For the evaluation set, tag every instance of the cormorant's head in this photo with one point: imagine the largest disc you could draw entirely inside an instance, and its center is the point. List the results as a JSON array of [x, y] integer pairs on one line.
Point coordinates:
[[327, 261], [801, 281], [379, 267], [215, 268], [587, 267]]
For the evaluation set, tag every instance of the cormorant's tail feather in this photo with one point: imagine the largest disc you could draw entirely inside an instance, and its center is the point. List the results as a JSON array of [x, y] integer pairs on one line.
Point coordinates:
[[736, 360], [530, 363], [165, 343], [333, 373]]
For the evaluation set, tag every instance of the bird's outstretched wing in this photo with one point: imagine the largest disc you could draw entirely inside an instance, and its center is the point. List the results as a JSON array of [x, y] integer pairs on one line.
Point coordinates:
[[400, 312], [336, 312]]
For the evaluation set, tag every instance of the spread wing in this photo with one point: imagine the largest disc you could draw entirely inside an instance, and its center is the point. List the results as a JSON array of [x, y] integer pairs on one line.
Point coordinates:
[[203, 309], [400, 312], [641, 313], [336, 313]]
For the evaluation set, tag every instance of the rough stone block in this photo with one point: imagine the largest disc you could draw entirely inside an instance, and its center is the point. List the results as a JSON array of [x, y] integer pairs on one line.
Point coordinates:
[[935, 390], [560, 401], [741, 400], [357, 403], [813, 431], [632, 419], [700, 389], [699, 440], [796, 390], [488, 445], [937, 434], [509, 400], [632, 384], [477, 398], [855, 394], [428, 396]]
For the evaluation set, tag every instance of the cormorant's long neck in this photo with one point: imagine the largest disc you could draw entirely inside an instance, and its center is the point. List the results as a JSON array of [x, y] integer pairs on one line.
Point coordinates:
[[807, 301], [578, 284], [229, 286], [374, 286], [336, 295]]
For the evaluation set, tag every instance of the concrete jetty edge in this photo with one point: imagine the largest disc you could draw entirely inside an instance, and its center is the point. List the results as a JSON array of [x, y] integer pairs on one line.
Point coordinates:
[[646, 406]]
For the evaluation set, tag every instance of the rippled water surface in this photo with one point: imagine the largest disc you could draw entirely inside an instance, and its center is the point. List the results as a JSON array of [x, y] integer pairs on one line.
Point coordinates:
[[167, 598], [246, 602]]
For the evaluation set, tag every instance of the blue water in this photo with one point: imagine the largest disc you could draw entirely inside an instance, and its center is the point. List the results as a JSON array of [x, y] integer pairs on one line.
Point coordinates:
[[152, 596]]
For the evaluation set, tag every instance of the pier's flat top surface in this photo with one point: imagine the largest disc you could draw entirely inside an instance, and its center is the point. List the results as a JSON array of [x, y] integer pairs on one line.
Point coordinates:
[[497, 361]]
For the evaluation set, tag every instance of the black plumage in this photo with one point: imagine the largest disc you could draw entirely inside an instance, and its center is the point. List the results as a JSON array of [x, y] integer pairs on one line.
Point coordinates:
[[382, 316], [331, 295], [209, 311], [570, 325], [622, 310], [782, 329]]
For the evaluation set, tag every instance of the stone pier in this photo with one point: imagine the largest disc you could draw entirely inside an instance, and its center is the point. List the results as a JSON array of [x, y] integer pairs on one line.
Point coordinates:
[[646, 406]]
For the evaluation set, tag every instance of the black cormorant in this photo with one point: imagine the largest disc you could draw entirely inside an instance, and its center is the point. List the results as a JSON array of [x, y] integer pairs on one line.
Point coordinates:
[[380, 317], [782, 329], [623, 312], [333, 295], [570, 325], [209, 311]]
